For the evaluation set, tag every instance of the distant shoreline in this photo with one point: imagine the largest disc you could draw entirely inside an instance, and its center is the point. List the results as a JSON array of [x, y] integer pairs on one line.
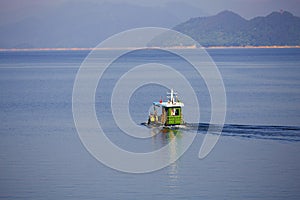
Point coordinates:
[[133, 48], [253, 47]]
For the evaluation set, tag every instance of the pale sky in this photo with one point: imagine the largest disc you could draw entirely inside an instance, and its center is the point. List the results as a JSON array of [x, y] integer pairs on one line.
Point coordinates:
[[13, 10]]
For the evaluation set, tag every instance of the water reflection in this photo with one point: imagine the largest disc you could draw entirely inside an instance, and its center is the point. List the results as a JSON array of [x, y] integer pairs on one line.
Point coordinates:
[[173, 137]]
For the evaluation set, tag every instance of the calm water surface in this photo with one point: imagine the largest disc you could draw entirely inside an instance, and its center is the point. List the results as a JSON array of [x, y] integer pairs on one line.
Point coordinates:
[[257, 156]]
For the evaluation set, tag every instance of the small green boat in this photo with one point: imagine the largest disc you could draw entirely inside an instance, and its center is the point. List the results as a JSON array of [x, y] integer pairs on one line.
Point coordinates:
[[167, 113]]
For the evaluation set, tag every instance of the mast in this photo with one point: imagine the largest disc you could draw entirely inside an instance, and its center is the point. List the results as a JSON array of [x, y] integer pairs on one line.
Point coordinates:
[[171, 97]]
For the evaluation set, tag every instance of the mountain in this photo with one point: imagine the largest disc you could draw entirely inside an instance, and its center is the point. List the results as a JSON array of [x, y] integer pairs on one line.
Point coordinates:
[[230, 29], [87, 23]]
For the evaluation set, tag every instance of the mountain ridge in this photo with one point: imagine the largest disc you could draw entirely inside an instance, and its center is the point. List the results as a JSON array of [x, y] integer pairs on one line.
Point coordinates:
[[230, 29], [85, 25]]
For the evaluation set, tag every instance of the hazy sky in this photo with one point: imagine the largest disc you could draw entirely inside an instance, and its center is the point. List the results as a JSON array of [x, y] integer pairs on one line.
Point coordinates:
[[13, 10]]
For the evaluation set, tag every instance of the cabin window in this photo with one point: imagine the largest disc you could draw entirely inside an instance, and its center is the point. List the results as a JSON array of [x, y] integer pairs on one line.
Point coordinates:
[[174, 111]]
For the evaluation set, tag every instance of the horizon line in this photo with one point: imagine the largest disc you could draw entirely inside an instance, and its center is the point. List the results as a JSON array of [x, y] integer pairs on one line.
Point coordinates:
[[133, 48]]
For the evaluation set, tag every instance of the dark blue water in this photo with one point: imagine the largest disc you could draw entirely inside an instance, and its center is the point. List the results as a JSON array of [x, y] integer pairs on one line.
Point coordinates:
[[257, 156]]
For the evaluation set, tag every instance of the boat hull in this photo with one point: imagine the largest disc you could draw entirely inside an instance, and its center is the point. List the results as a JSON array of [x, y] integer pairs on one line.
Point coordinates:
[[159, 125]]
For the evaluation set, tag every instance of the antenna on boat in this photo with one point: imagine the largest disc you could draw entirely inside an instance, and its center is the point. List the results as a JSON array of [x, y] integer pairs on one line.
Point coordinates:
[[172, 94]]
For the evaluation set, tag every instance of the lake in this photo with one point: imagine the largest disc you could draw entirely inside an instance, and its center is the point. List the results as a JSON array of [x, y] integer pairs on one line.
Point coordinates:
[[256, 157]]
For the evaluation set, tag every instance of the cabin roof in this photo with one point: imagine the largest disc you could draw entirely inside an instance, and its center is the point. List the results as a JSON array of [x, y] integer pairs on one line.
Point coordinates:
[[168, 104]]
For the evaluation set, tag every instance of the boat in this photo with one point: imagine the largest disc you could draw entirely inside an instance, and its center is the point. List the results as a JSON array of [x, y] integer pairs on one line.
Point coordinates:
[[167, 113]]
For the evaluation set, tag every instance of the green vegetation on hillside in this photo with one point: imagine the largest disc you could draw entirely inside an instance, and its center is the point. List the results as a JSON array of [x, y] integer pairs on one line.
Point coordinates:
[[230, 29]]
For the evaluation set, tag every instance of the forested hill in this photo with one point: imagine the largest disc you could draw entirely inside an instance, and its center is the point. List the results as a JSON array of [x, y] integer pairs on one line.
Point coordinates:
[[230, 29]]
